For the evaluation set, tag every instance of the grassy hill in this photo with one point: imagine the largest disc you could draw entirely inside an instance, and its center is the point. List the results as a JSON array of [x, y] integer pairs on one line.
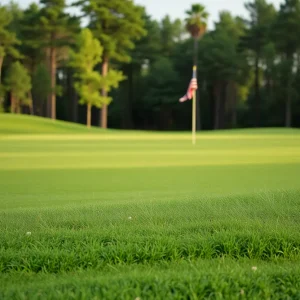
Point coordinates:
[[19, 124], [25, 124], [126, 215]]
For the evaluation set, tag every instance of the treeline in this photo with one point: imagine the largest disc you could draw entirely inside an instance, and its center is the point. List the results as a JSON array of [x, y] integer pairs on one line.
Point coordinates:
[[128, 70]]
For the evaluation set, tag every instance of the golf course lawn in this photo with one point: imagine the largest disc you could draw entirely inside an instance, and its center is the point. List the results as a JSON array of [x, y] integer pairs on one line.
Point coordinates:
[[94, 214]]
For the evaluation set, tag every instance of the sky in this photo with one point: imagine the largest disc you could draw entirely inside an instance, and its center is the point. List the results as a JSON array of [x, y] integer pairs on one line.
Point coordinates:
[[177, 8]]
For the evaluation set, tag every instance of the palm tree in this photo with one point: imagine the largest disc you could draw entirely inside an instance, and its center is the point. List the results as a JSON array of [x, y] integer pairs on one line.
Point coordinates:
[[196, 25]]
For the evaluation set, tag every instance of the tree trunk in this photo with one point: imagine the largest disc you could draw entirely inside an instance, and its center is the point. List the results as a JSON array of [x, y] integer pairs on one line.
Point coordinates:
[[88, 115], [268, 87], [74, 107], [47, 105], [198, 111], [288, 108], [31, 103], [103, 117], [223, 102], [165, 117], [18, 106], [217, 92], [52, 96], [230, 105], [288, 103], [257, 100], [73, 98], [234, 106], [1, 95], [53, 81], [12, 103], [127, 122], [1, 63]]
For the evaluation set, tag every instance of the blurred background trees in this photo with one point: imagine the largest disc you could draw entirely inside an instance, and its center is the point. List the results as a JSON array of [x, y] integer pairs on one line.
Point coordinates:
[[248, 69]]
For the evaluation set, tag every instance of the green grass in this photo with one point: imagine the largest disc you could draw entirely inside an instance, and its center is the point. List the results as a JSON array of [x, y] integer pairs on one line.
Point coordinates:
[[11, 124], [214, 279], [126, 215]]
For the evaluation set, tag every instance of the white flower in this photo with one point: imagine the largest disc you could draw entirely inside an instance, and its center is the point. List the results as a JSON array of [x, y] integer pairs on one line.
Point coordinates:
[[129, 218], [28, 233], [254, 268], [242, 292]]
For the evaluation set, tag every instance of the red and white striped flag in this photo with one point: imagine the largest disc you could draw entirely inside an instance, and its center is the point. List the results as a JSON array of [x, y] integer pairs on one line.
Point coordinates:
[[192, 87]]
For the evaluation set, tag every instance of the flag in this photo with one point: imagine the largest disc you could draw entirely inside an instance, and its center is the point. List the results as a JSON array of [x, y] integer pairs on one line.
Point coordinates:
[[192, 87]]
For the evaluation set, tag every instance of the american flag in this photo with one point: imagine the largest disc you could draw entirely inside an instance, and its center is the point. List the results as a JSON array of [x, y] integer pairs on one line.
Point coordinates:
[[192, 87]]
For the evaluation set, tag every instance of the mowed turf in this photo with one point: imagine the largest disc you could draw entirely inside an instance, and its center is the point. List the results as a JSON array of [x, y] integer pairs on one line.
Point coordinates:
[[93, 214]]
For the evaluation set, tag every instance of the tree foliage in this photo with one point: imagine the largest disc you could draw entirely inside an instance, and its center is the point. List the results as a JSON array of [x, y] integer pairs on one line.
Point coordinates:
[[8, 39], [18, 83], [90, 82], [196, 21], [117, 24], [41, 87], [57, 29], [248, 69]]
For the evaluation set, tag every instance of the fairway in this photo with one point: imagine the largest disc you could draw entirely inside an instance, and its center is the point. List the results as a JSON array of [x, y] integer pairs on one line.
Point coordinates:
[[93, 214]]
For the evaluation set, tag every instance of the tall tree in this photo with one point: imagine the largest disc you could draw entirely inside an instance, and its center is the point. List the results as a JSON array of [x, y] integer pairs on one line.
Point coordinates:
[[286, 33], [161, 92], [196, 24], [16, 13], [8, 39], [18, 83], [145, 53], [233, 74], [270, 56], [41, 88], [160, 41], [220, 65], [171, 32], [117, 24], [56, 28], [32, 38], [89, 82], [258, 35]]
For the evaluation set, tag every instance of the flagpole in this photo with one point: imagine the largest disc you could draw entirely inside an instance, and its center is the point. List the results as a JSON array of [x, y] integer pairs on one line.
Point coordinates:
[[194, 111]]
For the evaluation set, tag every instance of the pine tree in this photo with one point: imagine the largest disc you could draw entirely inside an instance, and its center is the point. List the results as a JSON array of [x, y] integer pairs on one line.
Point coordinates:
[[8, 41], [286, 33], [8, 38], [116, 24], [57, 30], [89, 82], [262, 16], [32, 38], [41, 87], [18, 83]]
